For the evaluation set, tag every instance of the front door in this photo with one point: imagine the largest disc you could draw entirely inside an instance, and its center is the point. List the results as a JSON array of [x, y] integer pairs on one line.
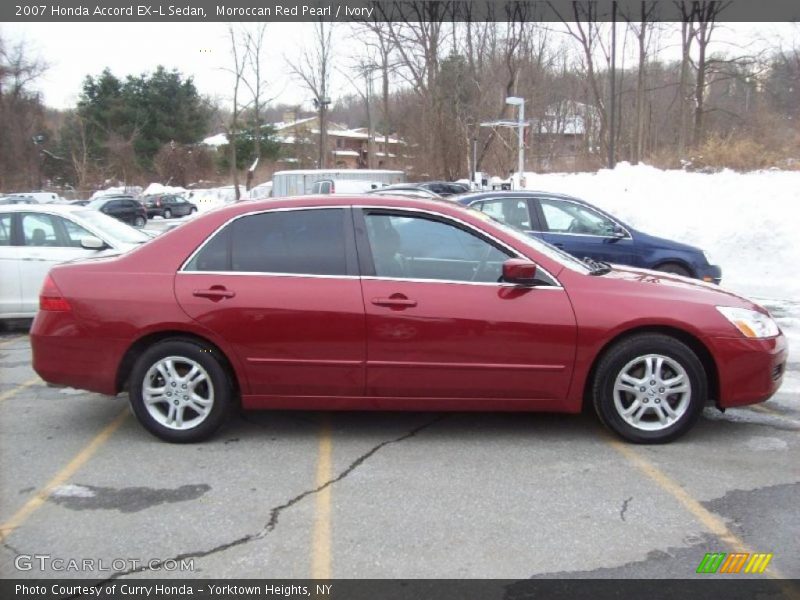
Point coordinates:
[[440, 324], [46, 240], [10, 272], [584, 232], [281, 288]]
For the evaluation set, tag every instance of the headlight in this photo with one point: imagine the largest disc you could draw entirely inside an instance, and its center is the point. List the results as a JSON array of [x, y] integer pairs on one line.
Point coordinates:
[[751, 323]]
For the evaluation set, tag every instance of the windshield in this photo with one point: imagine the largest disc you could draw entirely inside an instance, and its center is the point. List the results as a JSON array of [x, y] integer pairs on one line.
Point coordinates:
[[538, 245], [111, 227]]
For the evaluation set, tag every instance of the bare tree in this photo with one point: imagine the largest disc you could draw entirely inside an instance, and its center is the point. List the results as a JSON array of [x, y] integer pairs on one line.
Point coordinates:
[[642, 31], [313, 69], [241, 55]]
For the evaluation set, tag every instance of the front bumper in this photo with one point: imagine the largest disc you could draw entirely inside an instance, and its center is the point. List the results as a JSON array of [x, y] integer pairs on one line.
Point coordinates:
[[710, 274], [750, 370]]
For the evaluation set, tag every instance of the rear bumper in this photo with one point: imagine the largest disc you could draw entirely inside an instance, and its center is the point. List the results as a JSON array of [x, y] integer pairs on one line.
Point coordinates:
[[65, 356], [750, 371]]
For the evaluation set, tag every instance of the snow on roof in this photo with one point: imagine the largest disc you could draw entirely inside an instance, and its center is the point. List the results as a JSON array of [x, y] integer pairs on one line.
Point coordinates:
[[216, 140], [346, 153], [157, 188]]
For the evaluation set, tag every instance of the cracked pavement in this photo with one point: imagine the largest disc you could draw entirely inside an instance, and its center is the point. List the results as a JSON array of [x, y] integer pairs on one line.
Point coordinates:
[[411, 495]]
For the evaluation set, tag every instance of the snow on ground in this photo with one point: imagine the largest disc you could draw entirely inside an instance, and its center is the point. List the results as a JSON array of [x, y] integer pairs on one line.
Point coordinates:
[[748, 223]]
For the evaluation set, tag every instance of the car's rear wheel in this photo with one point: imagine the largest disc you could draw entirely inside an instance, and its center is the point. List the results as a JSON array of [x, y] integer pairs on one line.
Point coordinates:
[[675, 269], [649, 388], [167, 213], [180, 391], [139, 221]]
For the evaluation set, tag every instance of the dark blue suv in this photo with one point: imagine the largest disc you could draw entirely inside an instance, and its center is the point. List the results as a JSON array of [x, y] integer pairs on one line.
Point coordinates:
[[584, 230]]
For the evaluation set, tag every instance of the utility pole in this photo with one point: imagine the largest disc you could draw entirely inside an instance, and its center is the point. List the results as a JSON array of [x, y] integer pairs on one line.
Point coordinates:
[[612, 125], [520, 104]]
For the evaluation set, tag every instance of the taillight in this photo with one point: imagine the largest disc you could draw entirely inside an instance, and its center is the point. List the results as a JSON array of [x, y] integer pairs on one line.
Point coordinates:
[[50, 297]]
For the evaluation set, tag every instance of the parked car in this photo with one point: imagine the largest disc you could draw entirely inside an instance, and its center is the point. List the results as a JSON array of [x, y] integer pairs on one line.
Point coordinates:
[[125, 208], [18, 200], [445, 188], [168, 206], [35, 237], [584, 230], [412, 190], [79, 202], [372, 302]]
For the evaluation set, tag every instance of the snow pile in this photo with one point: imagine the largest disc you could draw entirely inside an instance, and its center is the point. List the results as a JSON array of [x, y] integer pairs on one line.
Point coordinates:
[[130, 190], [209, 198], [748, 223], [158, 188]]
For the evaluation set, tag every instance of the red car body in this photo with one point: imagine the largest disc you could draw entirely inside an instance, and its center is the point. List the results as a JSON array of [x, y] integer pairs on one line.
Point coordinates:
[[362, 342]]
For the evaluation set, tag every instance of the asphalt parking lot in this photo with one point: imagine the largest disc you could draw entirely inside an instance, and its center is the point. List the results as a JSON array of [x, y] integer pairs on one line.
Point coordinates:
[[387, 495]]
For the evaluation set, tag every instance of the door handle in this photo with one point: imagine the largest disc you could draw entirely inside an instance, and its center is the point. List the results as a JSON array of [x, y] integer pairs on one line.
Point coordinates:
[[395, 301], [214, 293]]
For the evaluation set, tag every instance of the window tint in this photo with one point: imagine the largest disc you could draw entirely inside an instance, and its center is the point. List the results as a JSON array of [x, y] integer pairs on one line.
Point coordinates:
[[568, 217], [511, 211], [303, 242], [422, 248], [5, 230], [39, 230]]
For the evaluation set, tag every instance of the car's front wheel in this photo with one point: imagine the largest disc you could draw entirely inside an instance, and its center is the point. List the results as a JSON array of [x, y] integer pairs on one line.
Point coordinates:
[[139, 221], [180, 391], [675, 269], [649, 388], [167, 213]]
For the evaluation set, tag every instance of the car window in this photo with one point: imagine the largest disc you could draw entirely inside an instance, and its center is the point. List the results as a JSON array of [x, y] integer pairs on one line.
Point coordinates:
[[5, 230], [567, 217], [74, 232], [417, 247], [511, 211], [302, 242], [39, 230]]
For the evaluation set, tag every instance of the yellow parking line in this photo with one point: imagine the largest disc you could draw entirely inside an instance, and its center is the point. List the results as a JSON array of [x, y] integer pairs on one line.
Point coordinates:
[[12, 340], [711, 521], [321, 537], [63, 475], [22, 386], [767, 410]]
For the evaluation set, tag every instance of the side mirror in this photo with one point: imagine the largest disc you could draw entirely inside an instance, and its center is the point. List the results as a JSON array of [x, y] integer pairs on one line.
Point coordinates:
[[519, 271], [92, 243]]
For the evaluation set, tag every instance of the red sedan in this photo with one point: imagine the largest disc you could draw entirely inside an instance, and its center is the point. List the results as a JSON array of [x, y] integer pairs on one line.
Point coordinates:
[[373, 303]]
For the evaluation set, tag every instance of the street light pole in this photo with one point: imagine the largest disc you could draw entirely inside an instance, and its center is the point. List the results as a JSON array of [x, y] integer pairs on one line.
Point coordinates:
[[520, 103]]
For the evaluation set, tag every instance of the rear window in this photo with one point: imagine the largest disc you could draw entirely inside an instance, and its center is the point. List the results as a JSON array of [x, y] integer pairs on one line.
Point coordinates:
[[301, 242]]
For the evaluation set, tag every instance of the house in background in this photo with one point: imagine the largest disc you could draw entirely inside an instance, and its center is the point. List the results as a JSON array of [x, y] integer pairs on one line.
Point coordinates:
[[568, 132]]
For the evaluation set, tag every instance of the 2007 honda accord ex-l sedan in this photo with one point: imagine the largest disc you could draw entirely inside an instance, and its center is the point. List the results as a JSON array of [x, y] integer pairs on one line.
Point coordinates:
[[380, 303]]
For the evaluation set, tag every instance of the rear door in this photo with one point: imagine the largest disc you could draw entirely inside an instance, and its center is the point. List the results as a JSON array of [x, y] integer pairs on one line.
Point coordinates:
[[281, 287]]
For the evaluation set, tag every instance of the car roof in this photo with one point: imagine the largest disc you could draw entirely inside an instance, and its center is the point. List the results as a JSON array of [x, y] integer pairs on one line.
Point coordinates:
[[45, 208]]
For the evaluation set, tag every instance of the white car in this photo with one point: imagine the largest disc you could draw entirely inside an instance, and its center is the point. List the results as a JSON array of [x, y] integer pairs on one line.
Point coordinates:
[[34, 237]]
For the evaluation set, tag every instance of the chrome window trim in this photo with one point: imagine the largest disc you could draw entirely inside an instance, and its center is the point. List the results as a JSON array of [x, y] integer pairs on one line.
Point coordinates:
[[539, 198], [267, 274], [182, 268], [472, 228]]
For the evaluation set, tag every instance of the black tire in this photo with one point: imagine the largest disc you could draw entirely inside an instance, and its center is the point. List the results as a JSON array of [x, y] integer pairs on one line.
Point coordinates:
[[629, 350], [139, 222], [167, 213], [675, 269], [218, 380]]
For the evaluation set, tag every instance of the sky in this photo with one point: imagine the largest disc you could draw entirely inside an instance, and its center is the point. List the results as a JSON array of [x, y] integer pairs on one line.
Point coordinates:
[[202, 50]]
